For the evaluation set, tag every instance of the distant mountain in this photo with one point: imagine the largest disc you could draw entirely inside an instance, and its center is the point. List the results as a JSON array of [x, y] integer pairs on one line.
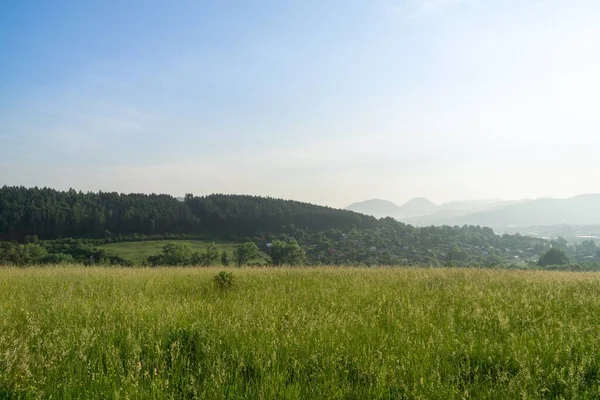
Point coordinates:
[[375, 207], [383, 208], [579, 210], [417, 206], [450, 213], [469, 206], [421, 211]]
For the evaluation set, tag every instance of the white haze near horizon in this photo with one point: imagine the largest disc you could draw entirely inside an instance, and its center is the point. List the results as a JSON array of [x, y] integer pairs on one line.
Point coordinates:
[[443, 99]]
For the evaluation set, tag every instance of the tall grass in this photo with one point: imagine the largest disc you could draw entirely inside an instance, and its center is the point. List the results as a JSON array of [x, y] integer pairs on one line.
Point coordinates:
[[91, 333]]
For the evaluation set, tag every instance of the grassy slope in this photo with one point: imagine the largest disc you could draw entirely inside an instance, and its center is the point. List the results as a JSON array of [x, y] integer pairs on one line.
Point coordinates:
[[298, 333], [140, 251]]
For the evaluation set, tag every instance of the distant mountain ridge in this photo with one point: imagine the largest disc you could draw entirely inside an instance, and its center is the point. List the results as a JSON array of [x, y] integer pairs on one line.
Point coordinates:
[[417, 206], [579, 210], [375, 207], [384, 208]]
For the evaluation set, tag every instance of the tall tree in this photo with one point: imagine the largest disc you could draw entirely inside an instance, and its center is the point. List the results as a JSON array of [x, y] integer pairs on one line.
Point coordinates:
[[287, 253], [173, 254], [246, 252], [554, 256]]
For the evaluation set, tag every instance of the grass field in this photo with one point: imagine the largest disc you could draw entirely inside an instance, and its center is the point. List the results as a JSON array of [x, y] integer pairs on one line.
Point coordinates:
[[322, 333], [139, 252]]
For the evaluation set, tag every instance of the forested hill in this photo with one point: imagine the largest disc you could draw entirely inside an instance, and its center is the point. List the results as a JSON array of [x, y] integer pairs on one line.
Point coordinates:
[[50, 214], [249, 215], [327, 235]]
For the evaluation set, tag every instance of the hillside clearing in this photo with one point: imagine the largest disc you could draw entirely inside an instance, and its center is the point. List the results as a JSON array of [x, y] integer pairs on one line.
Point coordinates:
[[138, 252]]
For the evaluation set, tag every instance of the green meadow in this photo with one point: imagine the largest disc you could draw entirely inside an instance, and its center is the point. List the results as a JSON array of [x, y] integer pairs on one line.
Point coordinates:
[[305, 333], [138, 252]]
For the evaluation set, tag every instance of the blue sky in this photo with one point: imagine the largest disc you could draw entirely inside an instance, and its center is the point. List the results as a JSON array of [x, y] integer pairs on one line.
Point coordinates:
[[324, 101]]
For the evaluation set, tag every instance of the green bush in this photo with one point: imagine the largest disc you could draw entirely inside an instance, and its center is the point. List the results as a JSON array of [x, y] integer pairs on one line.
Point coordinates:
[[223, 280]]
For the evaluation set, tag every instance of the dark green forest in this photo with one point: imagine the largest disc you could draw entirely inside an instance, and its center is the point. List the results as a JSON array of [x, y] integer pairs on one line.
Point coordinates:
[[44, 225], [52, 214]]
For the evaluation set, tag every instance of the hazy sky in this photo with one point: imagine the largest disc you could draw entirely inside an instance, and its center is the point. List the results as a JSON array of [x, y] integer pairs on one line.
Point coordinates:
[[324, 101]]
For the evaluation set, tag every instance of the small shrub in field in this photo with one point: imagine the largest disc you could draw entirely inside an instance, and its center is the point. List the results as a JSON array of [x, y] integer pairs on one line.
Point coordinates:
[[223, 280]]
